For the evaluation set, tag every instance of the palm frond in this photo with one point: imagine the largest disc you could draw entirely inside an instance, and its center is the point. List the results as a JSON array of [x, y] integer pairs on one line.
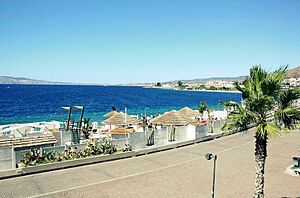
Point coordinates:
[[269, 130], [229, 103], [271, 85], [288, 117], [288, 96], [202, 107], [239, 119]]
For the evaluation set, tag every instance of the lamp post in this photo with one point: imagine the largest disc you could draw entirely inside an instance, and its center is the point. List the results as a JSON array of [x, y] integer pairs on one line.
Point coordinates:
[[210, 156]]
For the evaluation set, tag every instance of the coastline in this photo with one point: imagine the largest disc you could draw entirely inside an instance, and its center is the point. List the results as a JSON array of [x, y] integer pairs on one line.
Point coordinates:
[[217, 91]]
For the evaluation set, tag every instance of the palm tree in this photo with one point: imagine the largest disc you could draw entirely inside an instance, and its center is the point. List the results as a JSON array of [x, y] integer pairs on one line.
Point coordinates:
[[288, 113], [86, 130], [180, 84], [263, 101], [202, 107]]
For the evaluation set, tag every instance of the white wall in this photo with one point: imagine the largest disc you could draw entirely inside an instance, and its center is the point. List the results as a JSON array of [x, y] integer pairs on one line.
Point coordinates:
[[161, 136], [137, 140], [184, 133], [107, 126], [217, 126], [201, 131]]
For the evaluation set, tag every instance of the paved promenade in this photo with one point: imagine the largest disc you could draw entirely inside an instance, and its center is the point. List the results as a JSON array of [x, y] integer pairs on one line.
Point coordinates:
[[182, 172]]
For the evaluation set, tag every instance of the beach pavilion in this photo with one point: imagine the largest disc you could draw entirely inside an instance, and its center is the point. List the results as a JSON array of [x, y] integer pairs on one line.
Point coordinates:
[[188, 112], [178, 126], [120, 132], [120, 120]]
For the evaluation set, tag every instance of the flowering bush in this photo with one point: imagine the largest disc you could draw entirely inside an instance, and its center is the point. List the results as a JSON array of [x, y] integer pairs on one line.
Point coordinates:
[[36, 156]]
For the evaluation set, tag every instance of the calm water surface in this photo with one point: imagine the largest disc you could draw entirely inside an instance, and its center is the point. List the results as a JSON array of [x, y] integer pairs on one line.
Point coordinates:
[[31, 103]]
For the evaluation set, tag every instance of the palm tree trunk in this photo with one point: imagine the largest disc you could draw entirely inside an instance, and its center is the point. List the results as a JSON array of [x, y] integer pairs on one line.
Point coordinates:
[[260, 159]]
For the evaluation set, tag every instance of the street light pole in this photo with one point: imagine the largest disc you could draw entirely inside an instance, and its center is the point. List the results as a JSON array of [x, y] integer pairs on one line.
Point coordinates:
[[210, 156], [214, 177]]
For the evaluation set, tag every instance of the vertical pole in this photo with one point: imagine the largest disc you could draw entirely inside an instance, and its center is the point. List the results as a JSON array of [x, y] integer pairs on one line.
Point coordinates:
[[81, 117], [126, 134], [214, 176], [13, 157], [125, 116], [69, 118], [145, 128], [61, 138]]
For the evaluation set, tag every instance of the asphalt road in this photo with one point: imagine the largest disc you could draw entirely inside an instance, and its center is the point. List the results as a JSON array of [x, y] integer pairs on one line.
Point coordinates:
[[181, 172]]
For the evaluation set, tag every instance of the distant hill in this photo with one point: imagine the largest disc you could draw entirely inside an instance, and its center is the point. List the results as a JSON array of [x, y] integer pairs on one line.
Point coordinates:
[[22, 80], [203, 80], [29, 81], [293, 73]]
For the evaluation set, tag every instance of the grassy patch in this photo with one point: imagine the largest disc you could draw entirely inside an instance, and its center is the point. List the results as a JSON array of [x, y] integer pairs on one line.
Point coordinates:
[[295, 168]]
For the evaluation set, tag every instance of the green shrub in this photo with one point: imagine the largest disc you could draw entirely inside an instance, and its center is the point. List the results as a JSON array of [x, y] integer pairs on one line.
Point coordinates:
[[32, 157], [128, 147], [108, 147], [35, 156]]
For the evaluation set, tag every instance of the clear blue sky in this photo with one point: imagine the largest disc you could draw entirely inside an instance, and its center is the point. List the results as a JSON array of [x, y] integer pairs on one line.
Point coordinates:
[[145, 41]]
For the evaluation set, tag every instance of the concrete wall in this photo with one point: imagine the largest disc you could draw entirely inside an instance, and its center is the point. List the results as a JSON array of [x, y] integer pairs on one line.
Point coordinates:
[[217, 126], [201, 131], [137, 140], [66, 137], [161, 136], [58, 137], [181, 133], [118, 136], [120, 143], [6, 158]]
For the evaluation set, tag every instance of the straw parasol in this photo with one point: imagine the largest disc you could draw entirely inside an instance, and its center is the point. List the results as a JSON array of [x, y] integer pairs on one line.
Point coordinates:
[[119, 119], [189, 112], [28, 141], [110, 114], [121, 130], [172, 118]]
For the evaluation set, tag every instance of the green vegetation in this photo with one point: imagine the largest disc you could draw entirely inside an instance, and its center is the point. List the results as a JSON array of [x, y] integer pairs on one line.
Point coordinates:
[[179, 83], [265, 105], [37, 156], [212, 88], [200, 87], [128, 147], [295, 168], [158, 84], [86, 130], [287, 113], [202, 107]]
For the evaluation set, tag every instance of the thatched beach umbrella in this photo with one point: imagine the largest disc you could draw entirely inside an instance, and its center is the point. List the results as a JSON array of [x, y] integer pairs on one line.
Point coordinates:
[[110, 114], [189, 112], [121, 130], [119, 120], [173, 118]]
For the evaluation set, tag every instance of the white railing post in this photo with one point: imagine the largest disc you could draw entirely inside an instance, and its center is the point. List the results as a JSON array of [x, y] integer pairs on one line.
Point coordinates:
[[13, 157]]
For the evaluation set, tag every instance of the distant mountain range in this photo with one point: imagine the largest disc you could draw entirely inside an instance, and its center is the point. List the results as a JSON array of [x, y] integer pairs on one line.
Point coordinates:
[[22, 80], [203, 80], [29, 81], [292, 73]]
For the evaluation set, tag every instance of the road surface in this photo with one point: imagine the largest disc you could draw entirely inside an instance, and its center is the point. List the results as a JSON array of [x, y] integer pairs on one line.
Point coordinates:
[[181, 172]]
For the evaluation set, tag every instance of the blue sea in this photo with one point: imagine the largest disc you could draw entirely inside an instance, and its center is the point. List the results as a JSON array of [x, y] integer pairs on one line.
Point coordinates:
[[33, 103]]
